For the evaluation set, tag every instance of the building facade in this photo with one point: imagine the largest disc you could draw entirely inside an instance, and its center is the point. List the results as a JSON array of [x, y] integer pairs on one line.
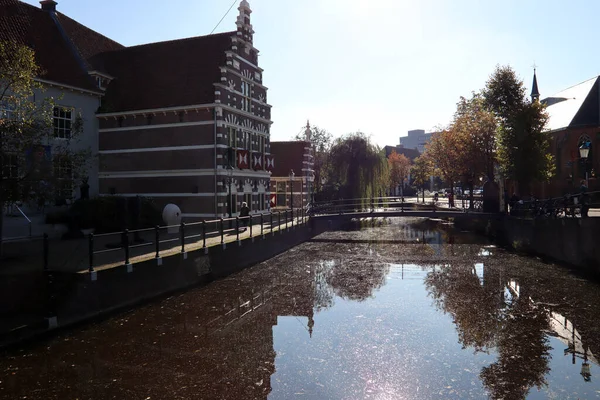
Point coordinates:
[[187, 122], [416, 139]]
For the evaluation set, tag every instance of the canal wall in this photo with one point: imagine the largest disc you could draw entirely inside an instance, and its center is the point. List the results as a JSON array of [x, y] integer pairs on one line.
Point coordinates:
[[34, 304], [566, 240]]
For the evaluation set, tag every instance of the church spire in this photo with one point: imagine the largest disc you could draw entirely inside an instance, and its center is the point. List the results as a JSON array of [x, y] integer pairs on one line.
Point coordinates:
[[307, 131], [244, 27], [535, 93]]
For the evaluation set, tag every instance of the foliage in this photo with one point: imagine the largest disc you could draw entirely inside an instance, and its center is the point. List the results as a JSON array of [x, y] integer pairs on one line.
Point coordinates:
[[421, 170], [321, 141], [357, 168], [399, 168], [30, 154], [523, 144], [445, 153]]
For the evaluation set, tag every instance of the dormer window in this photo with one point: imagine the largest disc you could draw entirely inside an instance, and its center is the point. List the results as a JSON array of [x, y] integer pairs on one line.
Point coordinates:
[[102, 80]]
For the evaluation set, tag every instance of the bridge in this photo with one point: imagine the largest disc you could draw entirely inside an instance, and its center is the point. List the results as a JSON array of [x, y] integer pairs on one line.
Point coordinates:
[[379, 207]]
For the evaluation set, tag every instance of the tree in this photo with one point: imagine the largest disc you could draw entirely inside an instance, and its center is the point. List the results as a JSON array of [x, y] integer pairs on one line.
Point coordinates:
[[321, 141], [34, 164], [356, 168], [399, 168], [421, 171], [523, 143], [445, 153]]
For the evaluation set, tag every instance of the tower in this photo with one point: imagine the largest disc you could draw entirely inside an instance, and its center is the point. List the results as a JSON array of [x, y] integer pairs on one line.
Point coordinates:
[[535, 93], [244, 27]]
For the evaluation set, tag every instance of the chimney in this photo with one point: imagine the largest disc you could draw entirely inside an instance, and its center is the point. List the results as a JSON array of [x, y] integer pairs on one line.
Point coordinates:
[[48, 5]]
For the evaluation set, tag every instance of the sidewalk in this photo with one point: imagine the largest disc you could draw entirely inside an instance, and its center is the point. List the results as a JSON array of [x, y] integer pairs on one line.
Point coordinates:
[[73, 255]]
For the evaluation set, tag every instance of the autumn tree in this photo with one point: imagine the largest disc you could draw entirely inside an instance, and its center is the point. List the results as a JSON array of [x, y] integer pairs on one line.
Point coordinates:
[[522, 141], [399, 168], [421, 172], [321, 141], [34, 163], [445, 153]]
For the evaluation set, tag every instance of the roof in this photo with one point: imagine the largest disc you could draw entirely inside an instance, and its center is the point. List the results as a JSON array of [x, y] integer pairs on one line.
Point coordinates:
[[36, 28], [164, 74], [288, 156], [574, 106], [534, 90]]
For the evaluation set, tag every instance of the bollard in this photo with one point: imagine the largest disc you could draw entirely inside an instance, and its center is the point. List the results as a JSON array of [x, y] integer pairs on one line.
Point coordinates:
[[46, 251], [237, 228], [157, 240], [91, 251], [222, 223], [182, 237], [126, 245], [204, 234]]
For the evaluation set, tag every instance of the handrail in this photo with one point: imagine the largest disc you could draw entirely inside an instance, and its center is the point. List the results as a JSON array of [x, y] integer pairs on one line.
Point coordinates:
[[26, 217]]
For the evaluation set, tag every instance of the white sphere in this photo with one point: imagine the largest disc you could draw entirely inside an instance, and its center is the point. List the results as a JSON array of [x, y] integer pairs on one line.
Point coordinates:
[[171, 214]]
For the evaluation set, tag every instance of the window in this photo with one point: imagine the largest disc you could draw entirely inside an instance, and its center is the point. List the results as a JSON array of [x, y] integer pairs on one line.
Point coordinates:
[[245, 87], [62, 122], [281, 194], [261, 146], [63, 174], [248, 200], [232, 135], [261, 201], [10, 166], [234, 200], [6, 111], [246, 140]]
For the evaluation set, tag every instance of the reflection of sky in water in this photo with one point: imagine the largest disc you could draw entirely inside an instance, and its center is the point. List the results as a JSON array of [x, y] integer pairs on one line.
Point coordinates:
[[395, 345]]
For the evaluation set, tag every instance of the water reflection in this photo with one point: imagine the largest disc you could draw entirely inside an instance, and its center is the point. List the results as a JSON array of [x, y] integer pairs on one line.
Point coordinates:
[[346, 316]]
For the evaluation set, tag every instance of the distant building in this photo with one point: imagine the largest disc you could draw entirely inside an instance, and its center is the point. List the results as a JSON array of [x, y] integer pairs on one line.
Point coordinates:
[[411, 154], [416, 140]]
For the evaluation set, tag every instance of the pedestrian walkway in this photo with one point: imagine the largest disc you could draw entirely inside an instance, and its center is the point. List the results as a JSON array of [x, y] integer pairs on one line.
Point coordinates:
[[74, 255]]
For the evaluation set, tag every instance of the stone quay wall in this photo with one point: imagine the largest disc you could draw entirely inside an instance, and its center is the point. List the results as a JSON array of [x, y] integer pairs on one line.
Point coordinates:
[[572, 241]]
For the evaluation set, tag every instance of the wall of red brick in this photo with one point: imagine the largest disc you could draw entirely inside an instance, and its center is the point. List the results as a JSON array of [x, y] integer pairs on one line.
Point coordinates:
[[158, 137], [158, 160]]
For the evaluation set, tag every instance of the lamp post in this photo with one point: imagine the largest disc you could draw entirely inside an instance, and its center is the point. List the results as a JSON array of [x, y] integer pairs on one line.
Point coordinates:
[[292, 190], [584, 152]]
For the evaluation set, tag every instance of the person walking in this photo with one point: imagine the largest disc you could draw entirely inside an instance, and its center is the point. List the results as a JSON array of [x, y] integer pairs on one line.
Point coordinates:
[[245, 215]]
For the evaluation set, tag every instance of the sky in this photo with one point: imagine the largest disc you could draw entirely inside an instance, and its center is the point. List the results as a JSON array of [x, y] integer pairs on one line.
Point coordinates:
[[382, 67]]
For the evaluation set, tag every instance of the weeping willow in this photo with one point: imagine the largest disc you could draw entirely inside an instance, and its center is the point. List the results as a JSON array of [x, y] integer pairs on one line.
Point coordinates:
[[357, 169]]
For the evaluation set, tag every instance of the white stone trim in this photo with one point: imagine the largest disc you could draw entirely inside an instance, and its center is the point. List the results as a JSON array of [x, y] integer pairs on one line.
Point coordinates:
[[243, 59], [153, 149], [183, 172], [63, 86], [142, 127], [163, 194], [236, 73], [155, 110]]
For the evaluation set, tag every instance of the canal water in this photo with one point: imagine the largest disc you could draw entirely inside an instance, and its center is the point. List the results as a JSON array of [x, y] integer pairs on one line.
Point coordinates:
[[407, 309]]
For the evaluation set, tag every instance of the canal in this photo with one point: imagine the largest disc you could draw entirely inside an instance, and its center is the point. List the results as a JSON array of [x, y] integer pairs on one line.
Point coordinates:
[[404, 309]]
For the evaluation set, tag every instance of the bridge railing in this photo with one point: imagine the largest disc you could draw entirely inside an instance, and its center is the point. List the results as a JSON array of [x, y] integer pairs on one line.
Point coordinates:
[[366, 204], [576, 205]]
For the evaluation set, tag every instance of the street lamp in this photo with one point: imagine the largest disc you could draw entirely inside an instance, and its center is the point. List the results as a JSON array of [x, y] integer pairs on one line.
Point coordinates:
[[292, 189], [584, 152]]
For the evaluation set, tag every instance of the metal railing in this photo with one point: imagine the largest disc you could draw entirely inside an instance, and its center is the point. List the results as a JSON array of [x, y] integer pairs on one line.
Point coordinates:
[[575, 205], [122, 247]]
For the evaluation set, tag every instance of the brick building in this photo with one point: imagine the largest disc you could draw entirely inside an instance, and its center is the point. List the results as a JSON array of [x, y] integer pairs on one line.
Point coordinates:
[[182, 118], [574, 119], [297, 157]]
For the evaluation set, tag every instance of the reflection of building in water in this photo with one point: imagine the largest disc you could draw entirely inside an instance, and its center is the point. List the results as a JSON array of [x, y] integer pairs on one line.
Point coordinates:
[[566, 332]]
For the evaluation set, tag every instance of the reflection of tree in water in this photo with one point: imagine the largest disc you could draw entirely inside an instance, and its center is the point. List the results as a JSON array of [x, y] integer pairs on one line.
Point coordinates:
[[323, 292], [485, 320], [357, 279]]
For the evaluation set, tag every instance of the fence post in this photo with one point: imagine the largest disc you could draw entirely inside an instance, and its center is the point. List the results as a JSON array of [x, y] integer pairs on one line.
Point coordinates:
[[157, 240], [250, 221], [262, 220], [46, 251], [237, 228], [292, 218], [204, 234], [126, 245], [182, 237], [91, 251], [272, 231], [279, 221], [222, 222]]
